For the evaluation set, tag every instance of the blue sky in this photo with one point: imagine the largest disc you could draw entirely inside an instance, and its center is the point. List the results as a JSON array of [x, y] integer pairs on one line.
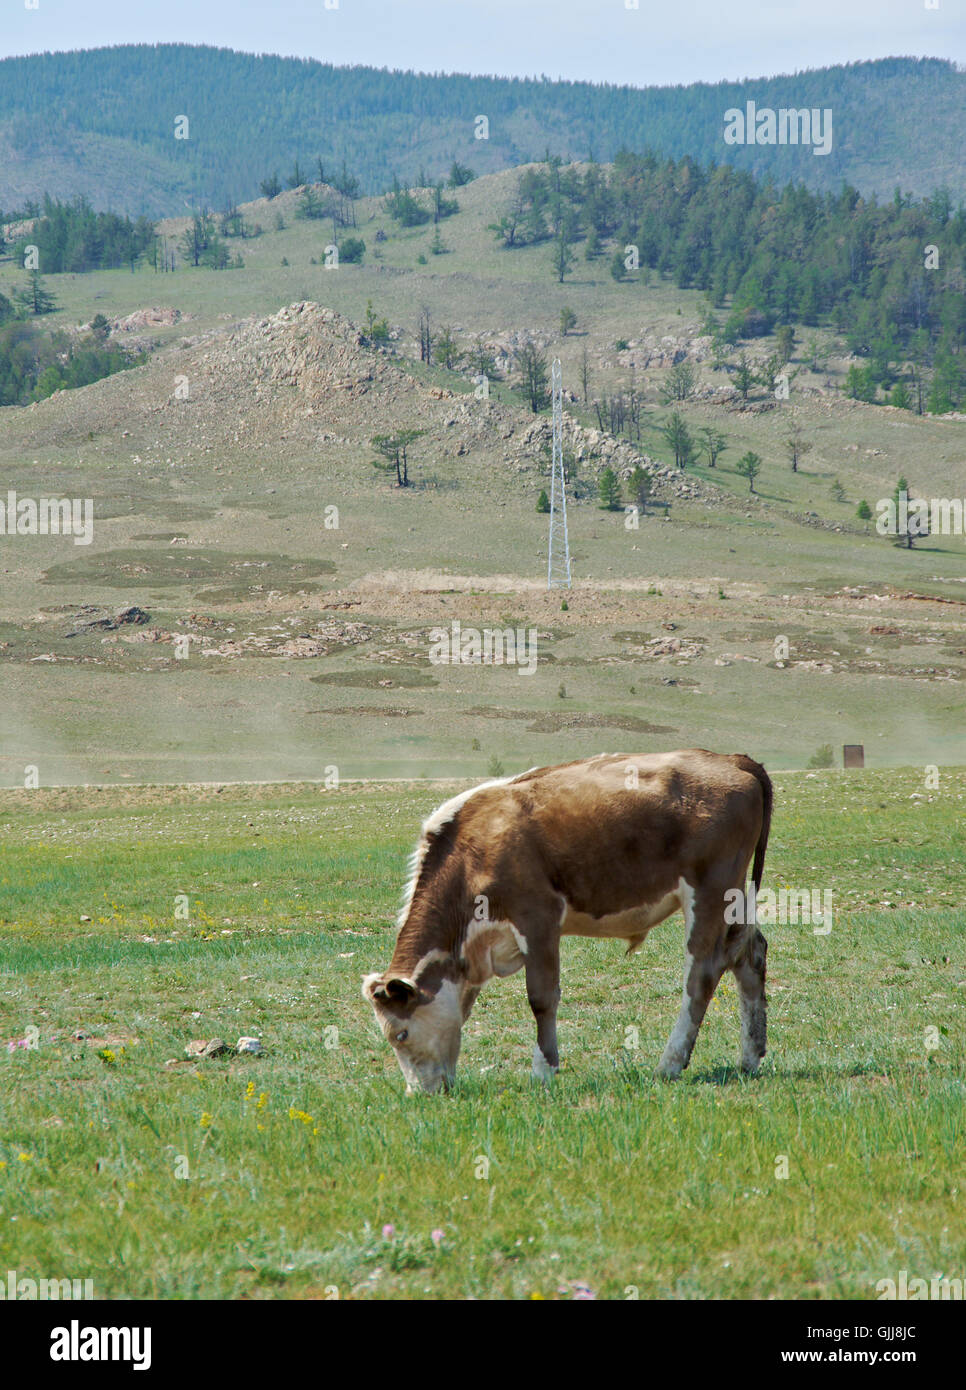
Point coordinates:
[[596, 40]]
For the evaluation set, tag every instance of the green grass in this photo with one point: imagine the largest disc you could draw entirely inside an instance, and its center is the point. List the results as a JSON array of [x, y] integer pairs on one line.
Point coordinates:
[[298, 1158]]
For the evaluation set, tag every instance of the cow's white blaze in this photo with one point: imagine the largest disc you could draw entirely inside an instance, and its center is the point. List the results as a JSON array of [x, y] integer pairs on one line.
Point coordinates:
[[427, 1055]]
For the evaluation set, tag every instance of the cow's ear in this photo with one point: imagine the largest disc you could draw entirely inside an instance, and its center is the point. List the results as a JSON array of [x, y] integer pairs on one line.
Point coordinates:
[[398, 990]]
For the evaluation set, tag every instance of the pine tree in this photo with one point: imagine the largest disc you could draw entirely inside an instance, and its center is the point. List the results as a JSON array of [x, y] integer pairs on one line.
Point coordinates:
[[797, 447], [532, 365], [35, 299], [713, 443], [609, 490], [749, 466], [678, 436]]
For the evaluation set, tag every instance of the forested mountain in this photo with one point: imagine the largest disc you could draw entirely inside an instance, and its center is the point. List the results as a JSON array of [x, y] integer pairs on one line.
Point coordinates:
[[103, 123]]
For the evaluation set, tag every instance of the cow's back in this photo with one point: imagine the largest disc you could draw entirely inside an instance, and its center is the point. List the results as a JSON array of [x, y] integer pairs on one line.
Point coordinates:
[[613, 831]]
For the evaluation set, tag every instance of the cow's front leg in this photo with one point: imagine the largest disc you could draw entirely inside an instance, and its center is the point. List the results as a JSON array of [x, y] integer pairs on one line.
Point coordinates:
[[543, 992]]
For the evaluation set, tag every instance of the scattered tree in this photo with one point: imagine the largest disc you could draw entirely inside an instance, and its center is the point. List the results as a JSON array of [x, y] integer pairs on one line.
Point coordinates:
[[912, 515], [679, 383], [563, 257], [745, 376], [640, 487], [535, 374], [900, 396], [377, 330], [34, 298], [678, 436], [749, 466], [585, 374], [713, 443], [393, 453], [297, 177], [447, 351], [609, 490], [797, 447], [459, 174], [785, 342], [425, 334]]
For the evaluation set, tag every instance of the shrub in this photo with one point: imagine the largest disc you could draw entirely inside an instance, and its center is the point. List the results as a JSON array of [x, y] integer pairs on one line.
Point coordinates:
[[822, 757]]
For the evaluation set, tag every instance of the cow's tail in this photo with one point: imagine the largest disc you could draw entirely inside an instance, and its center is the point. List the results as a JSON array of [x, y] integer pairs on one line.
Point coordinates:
[[767, 796]]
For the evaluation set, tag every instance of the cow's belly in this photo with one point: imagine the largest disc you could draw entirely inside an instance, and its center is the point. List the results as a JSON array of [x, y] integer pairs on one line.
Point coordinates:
[[632, 925]]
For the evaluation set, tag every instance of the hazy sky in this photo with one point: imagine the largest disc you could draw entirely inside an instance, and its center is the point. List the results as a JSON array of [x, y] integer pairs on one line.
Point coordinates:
[[597, 40]]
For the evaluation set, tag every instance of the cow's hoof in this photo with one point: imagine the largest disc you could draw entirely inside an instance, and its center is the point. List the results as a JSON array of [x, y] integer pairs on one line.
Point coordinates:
[[542, 1070], [670, 1068], [750, 1065]]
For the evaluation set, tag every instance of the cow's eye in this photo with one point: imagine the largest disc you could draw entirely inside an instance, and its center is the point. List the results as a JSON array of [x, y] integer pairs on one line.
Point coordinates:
[[401, 1037]]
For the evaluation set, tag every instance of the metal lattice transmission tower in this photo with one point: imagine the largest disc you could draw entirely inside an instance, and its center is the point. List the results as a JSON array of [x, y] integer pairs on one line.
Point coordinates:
[[558, 555]]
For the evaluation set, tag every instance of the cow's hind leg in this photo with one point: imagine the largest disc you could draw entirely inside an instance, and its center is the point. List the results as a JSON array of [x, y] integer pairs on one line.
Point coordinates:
[[704, 966], [749, 972], [542, 934]]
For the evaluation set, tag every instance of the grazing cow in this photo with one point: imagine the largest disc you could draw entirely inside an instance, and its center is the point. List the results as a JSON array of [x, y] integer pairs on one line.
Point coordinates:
[[606, 847]]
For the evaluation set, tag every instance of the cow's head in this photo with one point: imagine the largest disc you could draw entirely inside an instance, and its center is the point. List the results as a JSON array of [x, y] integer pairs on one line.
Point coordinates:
[[422, 1021]]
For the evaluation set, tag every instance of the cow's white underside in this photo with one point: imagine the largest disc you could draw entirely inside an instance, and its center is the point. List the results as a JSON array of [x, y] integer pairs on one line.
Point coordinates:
[[632, 925]]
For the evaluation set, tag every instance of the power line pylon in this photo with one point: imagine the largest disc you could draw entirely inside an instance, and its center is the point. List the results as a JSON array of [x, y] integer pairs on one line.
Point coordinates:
[[558, 554]]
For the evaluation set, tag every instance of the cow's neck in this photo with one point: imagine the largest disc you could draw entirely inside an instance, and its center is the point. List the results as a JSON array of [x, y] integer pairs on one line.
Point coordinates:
[[431, 934]]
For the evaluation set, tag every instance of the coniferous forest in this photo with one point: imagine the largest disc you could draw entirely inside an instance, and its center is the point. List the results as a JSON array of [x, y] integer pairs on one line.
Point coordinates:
[[104, 121], [890, 276]]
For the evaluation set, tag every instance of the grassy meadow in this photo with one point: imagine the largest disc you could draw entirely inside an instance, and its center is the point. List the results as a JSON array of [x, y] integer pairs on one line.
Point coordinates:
[[275, 1175]]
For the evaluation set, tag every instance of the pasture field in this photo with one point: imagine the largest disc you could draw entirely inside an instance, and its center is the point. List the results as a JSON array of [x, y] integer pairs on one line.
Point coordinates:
[[607, 1183]]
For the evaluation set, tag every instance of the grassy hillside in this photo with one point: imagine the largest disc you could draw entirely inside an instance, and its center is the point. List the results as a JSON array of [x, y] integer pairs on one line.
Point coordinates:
[[210, 516], [102, 123]]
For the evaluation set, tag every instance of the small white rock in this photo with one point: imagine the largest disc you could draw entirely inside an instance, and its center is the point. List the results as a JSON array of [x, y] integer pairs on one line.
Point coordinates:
[[253, 1045]]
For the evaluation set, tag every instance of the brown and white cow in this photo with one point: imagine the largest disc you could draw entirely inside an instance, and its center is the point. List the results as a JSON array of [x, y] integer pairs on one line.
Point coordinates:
[[606, 847]]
